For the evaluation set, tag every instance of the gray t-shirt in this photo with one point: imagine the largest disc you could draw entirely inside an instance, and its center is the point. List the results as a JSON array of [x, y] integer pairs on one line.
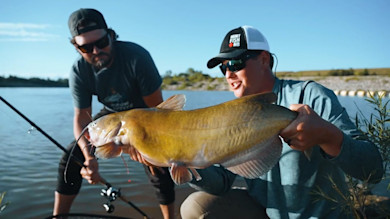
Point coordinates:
[[122, 85]]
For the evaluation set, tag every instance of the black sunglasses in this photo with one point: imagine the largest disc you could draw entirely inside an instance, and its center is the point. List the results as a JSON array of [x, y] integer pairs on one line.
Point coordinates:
[[100, 43], [236, 64]]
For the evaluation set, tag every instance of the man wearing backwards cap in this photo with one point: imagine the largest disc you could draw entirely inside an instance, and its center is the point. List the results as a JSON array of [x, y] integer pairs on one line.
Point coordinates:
[[123, 76], [288, 189]]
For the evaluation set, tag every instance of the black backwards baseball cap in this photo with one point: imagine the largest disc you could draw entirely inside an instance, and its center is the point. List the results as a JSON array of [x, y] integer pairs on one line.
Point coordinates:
[[237, 42], [92, 17]]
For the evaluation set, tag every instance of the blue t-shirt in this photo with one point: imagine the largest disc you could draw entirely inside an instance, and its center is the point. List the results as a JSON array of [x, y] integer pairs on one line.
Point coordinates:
[[119, 87], [289, 189]]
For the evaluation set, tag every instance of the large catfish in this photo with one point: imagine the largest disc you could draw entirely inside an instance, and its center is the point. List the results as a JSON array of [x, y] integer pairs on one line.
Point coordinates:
[[242, 135]]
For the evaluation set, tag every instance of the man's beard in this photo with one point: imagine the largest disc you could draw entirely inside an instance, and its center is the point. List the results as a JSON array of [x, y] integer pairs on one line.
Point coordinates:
[[101, 60]]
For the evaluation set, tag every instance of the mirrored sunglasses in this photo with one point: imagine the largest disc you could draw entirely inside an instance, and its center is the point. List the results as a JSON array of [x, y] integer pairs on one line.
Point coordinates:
[[235, 65], [100, 43]]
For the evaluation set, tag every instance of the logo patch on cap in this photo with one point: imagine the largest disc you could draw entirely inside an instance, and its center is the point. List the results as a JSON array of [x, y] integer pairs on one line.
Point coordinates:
[[234, 40]]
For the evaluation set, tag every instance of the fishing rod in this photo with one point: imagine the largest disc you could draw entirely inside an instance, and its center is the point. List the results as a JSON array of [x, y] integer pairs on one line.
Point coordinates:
[[110, 192]]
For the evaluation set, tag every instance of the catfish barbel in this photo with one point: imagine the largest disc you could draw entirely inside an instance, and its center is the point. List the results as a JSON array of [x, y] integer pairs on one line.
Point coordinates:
[[242, 135]]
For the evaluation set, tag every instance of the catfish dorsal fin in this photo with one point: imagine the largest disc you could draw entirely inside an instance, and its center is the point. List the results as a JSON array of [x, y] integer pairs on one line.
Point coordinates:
[[175, 102]]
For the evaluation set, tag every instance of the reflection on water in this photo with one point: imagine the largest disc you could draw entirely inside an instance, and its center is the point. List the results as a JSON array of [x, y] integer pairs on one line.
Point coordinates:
[[29, 161]]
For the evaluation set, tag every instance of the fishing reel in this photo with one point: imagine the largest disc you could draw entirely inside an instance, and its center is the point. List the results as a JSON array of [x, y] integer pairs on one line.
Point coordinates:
[[111, 194]]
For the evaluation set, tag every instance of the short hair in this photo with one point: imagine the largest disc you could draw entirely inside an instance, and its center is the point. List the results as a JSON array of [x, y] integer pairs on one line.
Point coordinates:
[[258, 52]]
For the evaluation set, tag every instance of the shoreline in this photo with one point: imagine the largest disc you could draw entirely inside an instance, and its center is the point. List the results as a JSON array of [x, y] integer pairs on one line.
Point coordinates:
[[341, 85], [361, 86]]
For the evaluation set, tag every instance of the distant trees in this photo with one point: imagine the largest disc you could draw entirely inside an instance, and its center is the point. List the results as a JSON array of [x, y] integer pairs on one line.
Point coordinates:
[[346, 72], [363, 73], [185, 79], [341, 72], [13, 81]]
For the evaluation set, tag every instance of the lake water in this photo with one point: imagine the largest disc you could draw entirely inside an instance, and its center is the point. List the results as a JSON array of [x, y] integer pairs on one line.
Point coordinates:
[[29, 161]]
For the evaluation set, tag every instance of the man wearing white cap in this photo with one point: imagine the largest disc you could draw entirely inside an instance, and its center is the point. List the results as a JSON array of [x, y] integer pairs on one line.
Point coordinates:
[[322, 126]]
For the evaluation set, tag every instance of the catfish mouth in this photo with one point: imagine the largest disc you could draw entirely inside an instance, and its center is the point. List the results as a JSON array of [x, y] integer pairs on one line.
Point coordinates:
[[108, 150], [99, 137], [107, 142]]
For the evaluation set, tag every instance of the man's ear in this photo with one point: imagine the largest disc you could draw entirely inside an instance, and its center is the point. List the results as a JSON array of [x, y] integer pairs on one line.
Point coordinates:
[[265, 58]]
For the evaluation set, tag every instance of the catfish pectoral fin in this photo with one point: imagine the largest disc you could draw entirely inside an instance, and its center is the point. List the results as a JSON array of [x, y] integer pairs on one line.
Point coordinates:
[[251, 169], [260, 160], [196, 174], [108, 150], [180, 174]]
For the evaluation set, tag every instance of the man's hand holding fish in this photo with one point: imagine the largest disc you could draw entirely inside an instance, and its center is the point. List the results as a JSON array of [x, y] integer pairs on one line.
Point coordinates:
[[309, 130]]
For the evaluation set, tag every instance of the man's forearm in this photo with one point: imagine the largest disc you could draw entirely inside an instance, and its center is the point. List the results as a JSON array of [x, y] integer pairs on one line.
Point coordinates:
[[82, 118]]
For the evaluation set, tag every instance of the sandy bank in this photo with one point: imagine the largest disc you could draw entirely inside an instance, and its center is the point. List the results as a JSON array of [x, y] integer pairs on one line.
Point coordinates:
[[336, 83]]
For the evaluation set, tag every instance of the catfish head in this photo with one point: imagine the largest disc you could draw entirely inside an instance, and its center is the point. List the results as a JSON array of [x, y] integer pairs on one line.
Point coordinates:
[[108, 135]]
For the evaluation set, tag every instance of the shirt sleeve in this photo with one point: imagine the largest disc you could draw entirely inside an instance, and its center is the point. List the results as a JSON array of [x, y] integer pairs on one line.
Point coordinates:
[[148, 77], [358, 158]]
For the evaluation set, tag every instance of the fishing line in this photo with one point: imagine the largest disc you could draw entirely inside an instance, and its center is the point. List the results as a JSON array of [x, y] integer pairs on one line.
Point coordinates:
[[127, 168], [37, 128], [17, 122], [75, 159], [70, 154]]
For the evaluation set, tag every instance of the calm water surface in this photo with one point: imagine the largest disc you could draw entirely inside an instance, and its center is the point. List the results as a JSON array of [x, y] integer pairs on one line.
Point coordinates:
[[28, 160]]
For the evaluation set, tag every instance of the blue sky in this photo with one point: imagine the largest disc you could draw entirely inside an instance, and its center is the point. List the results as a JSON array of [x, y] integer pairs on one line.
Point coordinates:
[[304, 34]]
